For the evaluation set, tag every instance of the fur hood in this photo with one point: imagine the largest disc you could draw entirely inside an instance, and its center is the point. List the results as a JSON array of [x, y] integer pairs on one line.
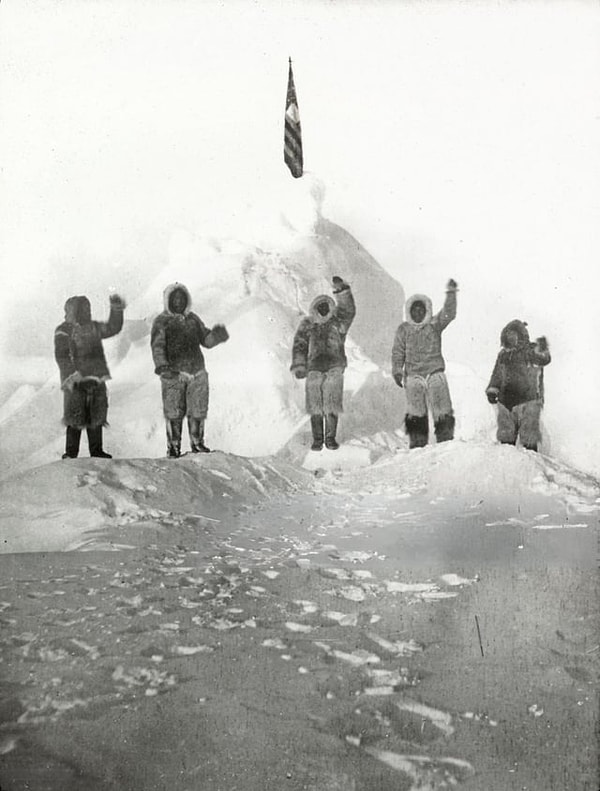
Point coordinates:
[[520, 327], [78, 310], [167, 296], [314, 314], [428, 309]]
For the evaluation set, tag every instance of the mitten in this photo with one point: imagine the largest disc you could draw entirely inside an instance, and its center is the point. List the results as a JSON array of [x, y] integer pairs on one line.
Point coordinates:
[[165, 372], [492, 395], [299, 372], [339, 284], [542, 343], [451, 285], [220, 334], [398, 380], [117, 302], [71, 381]]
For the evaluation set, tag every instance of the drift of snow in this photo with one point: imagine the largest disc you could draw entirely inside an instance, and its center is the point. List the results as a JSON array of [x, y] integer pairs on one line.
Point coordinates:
[[92, 504]]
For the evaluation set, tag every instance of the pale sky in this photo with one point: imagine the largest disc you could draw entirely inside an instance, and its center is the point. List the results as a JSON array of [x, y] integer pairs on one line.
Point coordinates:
[[454, 139]]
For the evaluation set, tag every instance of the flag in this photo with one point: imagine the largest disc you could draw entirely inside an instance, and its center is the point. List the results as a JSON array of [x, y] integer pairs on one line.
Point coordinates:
[[292, 150]]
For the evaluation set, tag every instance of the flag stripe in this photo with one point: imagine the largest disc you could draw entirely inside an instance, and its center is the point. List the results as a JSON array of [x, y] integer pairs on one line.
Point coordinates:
[[293, 134], [293, 147]]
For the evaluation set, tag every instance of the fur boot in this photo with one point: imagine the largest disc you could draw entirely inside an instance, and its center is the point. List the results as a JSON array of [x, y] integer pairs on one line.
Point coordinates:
[[331, 422], [72, 443], [316, 424], [94, 436], [417, 428], [444, 428], [174, 426], [196, 432]]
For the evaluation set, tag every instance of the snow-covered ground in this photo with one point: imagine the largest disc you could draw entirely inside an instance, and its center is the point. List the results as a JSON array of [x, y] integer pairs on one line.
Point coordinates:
[[321, 625], [92, 504]]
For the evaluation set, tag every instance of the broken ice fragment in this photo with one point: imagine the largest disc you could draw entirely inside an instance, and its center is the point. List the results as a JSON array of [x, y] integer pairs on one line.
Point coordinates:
[[355, 556], [426, 773], [437, 595], [223, 624], [455, 579], [8, 744], [333, 572], [352, 593], [362, 574], [274, 642], [441, 719], [409, 587], [298, 627], [398, 647], [357, 658], [379, 691], [388, 678], [344, 619], [189, 650], [307, 606]]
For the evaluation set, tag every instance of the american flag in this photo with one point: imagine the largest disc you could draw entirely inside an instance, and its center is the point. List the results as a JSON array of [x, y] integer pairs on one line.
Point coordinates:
[[292, 150]]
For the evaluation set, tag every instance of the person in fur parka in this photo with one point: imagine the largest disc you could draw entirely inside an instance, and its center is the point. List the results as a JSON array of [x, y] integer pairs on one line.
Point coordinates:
[[83, 371], [517, 385], [176, 337], [418, 365], [318, 355]]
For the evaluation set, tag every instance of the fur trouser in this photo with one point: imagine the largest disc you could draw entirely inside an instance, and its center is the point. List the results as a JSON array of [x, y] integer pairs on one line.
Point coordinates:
[[430, 391], [324, 392], [182, 398], [522, 422], [86, 405]]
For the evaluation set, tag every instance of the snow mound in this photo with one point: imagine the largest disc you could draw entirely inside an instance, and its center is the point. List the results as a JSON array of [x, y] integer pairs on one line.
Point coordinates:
[[480, 470], [93, 504], [87, 504], [347, 457]]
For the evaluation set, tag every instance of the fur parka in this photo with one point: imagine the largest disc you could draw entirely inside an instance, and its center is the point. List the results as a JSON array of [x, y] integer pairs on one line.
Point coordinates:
[[176, 338], [319, 342], [518, 373], [79, 354], [417, 347]]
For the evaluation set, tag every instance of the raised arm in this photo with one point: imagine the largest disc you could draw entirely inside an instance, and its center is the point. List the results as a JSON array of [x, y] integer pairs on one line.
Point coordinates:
[[448, 311], [345, 309], [540, 353], [212, 338], [114, 325]]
